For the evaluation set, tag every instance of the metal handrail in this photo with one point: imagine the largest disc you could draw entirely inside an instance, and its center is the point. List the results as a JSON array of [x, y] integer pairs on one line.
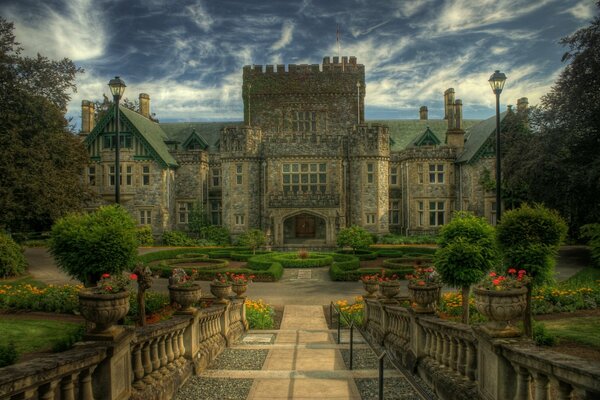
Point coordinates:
[[379, 353]]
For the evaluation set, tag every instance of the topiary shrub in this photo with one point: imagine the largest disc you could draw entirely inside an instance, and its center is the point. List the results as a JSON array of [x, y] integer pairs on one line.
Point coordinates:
[[218, 235], [177, 239], [12, 260], [467, 250], [354, 237], [253, 239], [144, 236], [529, 238], [86, 246]]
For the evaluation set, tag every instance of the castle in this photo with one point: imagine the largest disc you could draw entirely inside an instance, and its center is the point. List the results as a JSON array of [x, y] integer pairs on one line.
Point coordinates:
[[303, 164]]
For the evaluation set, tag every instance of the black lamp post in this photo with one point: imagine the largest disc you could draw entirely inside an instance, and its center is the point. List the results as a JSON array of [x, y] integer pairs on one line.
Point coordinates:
[[497, 83], [117, 88]]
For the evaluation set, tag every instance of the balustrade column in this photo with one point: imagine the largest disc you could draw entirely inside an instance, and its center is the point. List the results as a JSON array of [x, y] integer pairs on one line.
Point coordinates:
[[85, 384], [446, 352], [440, 348], [471, 361], [434, 347], [138, 367], [162, 351], [47, 390], [452, 354], [523, 391], [169, 351], [427, 347], [461, 364], [564, 391], [155, 357], [67, 387], [181, 345], [147, 363], [542, 386]]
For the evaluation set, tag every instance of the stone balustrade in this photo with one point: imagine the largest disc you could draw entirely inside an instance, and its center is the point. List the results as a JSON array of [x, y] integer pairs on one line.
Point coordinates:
[[149, 363], [461, 362]]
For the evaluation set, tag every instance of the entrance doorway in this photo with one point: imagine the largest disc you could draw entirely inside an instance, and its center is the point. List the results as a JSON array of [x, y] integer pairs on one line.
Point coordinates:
[[305, 226], [304, 229]]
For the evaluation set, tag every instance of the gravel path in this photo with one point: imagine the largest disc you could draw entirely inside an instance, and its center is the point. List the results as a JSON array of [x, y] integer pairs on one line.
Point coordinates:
[[238, 359]]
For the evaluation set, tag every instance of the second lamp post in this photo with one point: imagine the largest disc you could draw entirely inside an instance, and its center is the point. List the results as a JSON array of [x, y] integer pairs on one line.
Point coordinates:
[[117, 88]]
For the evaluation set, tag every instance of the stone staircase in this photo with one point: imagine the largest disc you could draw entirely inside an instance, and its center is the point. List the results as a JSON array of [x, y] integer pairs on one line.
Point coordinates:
[[301, 360]]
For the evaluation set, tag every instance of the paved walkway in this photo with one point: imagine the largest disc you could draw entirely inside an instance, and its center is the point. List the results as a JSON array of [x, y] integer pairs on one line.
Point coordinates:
[[303, 362]]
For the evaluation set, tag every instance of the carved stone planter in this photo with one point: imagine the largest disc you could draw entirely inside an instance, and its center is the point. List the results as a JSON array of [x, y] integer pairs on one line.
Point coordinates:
[[221, 291], [424, 298], [389, 289], [104, 310], [239, 289], [500, 307], [185, 296], [371, 288]]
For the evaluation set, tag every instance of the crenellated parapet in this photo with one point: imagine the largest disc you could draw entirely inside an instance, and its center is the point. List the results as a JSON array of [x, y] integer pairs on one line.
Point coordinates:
[[303, 143], [333, 76], [370, 140], [240, 141]]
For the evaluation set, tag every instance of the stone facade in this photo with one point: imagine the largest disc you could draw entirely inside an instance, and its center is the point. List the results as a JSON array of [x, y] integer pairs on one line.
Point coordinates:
[[303, 163]]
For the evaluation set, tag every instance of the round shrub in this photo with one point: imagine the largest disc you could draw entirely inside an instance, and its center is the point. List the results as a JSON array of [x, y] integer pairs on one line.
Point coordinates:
[[86, 246], [292, 260], [354, 237], [144, 235], [218, 235], [12, 260]]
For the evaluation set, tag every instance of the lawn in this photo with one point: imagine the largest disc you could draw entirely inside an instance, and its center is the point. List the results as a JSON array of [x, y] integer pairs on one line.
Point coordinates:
[[583, 330], [31, 335]]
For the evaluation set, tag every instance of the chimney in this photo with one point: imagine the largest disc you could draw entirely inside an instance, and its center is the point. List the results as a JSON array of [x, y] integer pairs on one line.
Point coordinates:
[[522, 104], [458, 122], [145, 105], [87, 117], [448, 102], [423, 113], [509, 108], [455, 135]]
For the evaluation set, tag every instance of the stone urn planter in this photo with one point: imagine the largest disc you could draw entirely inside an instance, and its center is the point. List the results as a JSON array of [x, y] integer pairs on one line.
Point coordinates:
[[185, 296], [371, 288], [501, 306], [389, 289], [221, 291], [424, 299], [104, 310], [239, 289]]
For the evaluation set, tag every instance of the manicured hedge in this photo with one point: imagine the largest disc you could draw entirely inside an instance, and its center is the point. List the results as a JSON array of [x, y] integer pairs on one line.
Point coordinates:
[[168, 254], [390, 253], [360, 254], [206, 268], [407, 262], [291, 260], [245, 255]]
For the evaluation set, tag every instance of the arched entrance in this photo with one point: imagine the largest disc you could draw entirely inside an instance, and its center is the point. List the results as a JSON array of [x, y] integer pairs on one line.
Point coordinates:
[[302, 228]]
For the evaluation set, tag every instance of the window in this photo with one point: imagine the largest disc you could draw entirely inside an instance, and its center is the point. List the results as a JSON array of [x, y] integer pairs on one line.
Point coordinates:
[[145, 217], [146, 175], [305, 121], [436, 213], [126, 141], [370, 173], [370, 219], [183, 211], [304, 177], [239, 168], [111, 175], [394, 212], [129, 175], [394, 175], [215, 212], [436, 173], [420, 172], [92, 175], [239, 219], [216, 177], [420, 212]]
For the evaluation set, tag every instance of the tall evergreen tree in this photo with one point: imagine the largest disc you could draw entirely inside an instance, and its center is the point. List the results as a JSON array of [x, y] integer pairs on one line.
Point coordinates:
[[40, 158]]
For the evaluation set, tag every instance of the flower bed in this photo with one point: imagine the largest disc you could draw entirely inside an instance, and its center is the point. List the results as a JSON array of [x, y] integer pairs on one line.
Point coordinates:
[[293, 260], [351, 312], [259, 314], [59, 299]]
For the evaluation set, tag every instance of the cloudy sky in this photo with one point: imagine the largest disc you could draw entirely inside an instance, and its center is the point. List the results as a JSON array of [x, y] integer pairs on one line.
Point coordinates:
[[188, 54]]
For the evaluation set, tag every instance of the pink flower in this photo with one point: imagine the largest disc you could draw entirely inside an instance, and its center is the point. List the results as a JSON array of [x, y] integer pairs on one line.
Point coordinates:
[[512, 271], [492, 274], [522, 272], [105, 275]]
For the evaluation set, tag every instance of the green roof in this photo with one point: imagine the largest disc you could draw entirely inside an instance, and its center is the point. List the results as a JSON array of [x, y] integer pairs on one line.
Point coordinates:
[[152, 133], [476, 138], [403, 132], [208, 131]]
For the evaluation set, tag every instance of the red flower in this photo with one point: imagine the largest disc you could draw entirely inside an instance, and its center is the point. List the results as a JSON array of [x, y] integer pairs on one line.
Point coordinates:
[[522, 272], [496, 282], [133, 277], [105, 275], [492, 274], [512, 271], [421, 283]]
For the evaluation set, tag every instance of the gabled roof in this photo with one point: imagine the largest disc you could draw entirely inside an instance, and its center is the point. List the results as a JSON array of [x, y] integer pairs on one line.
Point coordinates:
[[150, 132], [427, 138], [194, 137], [476, 138], [208, 131]]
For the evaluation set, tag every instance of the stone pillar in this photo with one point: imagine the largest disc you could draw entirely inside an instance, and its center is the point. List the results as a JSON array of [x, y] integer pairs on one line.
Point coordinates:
[[225, 324], [113, 376], [495, 373]]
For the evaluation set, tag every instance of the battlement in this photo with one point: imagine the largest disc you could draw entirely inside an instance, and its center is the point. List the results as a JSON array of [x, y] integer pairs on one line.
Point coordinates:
[[370, 129], [346, 64]]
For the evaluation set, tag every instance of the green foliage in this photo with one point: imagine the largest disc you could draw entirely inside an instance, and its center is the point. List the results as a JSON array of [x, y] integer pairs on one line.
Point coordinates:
[[291, 260], [467, 250], [67, 342], [59, 299], [145, 237], [400, 239], [177, 239], [40, 172], [542, 337], [198, 218], [12, 260], [592, 233], [529, 238], [8, 354], [154, 302], [259, 314], [354, 237], [87, 245], [252, 238], [361, 254], [168, 254], [218, 235]]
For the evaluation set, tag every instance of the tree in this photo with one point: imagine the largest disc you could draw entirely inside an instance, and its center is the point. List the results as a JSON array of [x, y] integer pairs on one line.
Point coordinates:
[[557, 163], [253, 238], [40, 158], [467, 251], [198, 219], [529, 238], [354, 237], [86, 246]]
